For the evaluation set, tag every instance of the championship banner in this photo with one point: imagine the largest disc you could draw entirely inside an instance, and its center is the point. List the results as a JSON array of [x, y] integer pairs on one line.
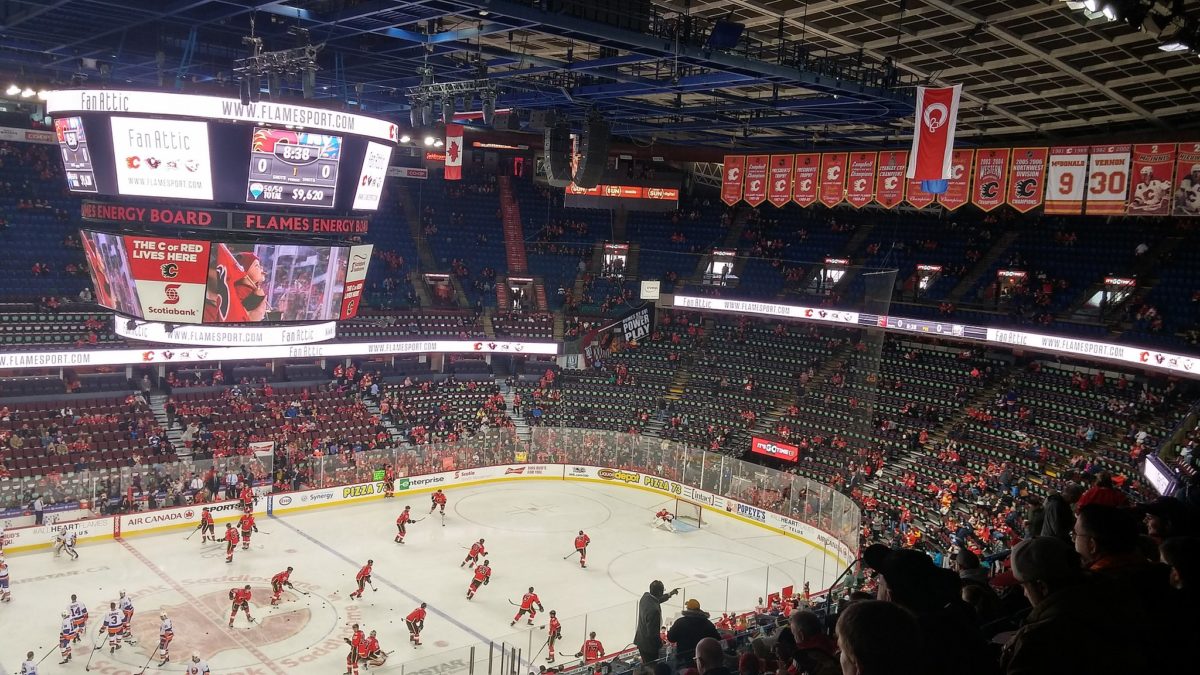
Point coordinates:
[[1153, 172], [991, 178], [805, 179], [890, 180], [170, 276], [1187, 180], [958, 186], [454, 140], [1066, 180], [356, 276], [917, 197], [779, 192], [731, 179], [860, 188], [1026, 185], [933, 137], [1108, 180], [833, 178], [756, 179]]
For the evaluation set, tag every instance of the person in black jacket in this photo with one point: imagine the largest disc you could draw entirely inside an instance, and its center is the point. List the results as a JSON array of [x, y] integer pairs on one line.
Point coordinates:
[[646, 637], [689, 629], [1058, 517]]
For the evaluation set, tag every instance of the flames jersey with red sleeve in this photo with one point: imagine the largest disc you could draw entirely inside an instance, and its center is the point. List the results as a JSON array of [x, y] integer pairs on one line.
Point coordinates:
[[439, 498], [363, 573], [232, 536], [555, 627], [404, 517], [477, 550], [246, 522], [281, 578], [529, 600], [416, 615], [357, 639], [482, 573], [582, 541], [206, 518], [247, 495], [372, 645], [363, 647], [239, 595], [592, 650]]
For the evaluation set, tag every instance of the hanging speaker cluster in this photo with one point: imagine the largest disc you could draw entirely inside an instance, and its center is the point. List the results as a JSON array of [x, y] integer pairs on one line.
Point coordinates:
[[557, 145], [593, 152]]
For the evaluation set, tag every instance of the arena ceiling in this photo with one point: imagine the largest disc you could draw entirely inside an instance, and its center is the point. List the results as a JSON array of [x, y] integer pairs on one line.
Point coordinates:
[[829, 72]]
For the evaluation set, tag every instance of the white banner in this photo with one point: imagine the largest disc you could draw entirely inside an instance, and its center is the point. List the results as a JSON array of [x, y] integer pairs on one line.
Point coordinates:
[[180, 517], [162, 158], [212, 336], [371, 178], [215, 108], [766, 308]]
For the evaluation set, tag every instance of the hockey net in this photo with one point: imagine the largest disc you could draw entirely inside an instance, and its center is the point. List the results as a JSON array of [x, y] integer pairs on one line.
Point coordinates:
[[688, 513]]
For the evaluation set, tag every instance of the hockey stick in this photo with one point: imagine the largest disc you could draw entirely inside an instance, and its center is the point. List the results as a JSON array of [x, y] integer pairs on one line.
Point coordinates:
[[570, 554], [443, 518], [143, 671], [46, 656], [539, 651], [88, 665], [193, 533], [417, 520]]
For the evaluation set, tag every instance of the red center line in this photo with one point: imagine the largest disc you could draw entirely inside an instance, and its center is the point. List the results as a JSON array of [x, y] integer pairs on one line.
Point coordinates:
[[178, 588]]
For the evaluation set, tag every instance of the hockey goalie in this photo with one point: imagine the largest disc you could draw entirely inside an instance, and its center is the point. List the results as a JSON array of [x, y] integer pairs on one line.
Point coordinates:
[[664, 520]]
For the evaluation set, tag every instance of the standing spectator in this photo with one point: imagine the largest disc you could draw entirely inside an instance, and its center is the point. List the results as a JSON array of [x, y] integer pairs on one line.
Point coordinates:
[[39, 510], [647, 637], [1058, 514], [689, 629], [877, 638]]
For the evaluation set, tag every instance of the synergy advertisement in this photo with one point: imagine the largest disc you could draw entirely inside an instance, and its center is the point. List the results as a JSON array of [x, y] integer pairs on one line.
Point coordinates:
[[269, 282], [77, 159], [293, 168], [162, 158]]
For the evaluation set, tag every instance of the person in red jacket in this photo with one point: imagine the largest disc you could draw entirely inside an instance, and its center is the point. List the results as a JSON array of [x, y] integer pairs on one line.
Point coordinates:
[[415, 622], [356, 638], [592, 649], [241, 600], [555, 634], [402, 522], [477, 549], [439, 501], [363, 578], [231, 542], [581, 544]]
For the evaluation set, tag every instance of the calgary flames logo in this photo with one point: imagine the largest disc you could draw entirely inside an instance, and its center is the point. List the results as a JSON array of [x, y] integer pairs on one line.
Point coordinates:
[[989, 190], [1026, 187]]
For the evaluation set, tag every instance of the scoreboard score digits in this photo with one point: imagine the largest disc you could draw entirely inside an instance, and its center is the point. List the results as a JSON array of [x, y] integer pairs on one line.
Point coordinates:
[[293, 168]]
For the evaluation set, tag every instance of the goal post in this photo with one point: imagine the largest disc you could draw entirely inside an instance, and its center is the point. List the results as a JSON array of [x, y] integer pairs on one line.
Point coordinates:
[[688, 512]]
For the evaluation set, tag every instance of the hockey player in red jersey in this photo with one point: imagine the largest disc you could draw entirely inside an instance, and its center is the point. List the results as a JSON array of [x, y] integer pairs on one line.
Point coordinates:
[[375, 654], [246, 497], [247, 525], [231, 542], [402, 522], [592, 649], [555, 634], [278, 582], [389, 482], [207, 528], [581, 544], [241, 600], [483, 575], [363, 578], [439, 500], [477, 549], [527, 602], [356, 638], [416, 623]]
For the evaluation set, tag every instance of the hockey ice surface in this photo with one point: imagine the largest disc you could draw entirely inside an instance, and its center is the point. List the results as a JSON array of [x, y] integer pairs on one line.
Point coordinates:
[[529, 527]]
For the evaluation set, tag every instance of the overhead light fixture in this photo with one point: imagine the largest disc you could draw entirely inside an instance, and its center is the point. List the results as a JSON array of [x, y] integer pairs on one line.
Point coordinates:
[[27, 92], [1109, 13], [405, 138], [1092, 5], [429, 141], [1172, 47], [43, 94], [12, 90], [438, 143]]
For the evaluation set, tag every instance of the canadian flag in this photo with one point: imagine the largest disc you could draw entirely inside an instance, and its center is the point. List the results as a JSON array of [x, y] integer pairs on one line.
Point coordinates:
[[933, 138], [454, 140]]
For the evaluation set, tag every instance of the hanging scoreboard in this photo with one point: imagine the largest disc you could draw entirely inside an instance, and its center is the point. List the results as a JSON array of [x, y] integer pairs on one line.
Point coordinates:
[[293, 168]]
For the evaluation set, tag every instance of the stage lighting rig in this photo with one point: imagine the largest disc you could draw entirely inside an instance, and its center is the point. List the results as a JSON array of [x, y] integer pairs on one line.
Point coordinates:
[[299, 62]]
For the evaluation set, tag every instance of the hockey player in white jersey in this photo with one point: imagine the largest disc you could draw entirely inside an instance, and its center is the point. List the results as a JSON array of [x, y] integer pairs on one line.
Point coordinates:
[[28, 667], [125, 604], [79, 616], [113, 621], [65, 637], [5, 596], [166, 633], [197, 666]]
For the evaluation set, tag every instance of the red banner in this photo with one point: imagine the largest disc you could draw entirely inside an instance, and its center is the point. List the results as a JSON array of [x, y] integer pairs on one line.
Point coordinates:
[[991, 178], [804, 182], [1187, 180], [1026, 182], [890, 180], [731, 179], [169, 275], [933, 137], [833, 178], [1107, 180], [1153, 173], [918, 197], [1066, 180], [779, 191], [958, 187], [860, 187], [756, 179]]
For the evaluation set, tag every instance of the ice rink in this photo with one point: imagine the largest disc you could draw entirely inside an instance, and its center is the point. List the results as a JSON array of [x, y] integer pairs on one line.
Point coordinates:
[[529, 529]]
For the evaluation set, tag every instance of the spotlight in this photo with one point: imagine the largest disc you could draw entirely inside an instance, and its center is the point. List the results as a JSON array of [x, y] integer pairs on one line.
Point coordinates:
[[12, 90], [438, 143], [1092, 5], [43, 94], [429, 141], [27, 92], [1172, 47], [405, 138]]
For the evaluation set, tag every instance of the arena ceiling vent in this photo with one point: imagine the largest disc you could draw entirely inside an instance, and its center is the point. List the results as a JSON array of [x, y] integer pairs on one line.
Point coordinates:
[[728, 73]]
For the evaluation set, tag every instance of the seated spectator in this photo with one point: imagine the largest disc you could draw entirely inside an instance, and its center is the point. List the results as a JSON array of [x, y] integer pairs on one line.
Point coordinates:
[[877, 638], [1072, 628], [816, 653]]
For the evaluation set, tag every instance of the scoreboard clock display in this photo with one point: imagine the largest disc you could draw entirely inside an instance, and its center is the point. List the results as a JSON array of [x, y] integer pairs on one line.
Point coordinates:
[[293, 168]]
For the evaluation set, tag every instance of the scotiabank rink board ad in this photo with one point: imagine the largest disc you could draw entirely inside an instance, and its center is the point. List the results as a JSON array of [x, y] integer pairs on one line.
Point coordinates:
[[170, 275]]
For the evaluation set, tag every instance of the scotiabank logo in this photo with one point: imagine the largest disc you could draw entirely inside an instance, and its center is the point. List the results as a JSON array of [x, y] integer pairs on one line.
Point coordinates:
[[464, 474], [786, 451], [172, 293]]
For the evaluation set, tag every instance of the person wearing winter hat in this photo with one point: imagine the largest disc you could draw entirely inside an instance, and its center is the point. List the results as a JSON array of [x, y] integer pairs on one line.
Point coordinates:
[[647, 636], [1072, 627], [249, 288], [691, 627]]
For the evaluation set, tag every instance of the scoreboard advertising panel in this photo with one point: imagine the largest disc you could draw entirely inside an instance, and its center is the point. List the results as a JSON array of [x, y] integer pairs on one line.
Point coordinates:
[[192, 281]]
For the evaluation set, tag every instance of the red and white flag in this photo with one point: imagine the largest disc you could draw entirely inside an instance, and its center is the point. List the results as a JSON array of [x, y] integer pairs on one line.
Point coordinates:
[[933, 136], [454, 141]]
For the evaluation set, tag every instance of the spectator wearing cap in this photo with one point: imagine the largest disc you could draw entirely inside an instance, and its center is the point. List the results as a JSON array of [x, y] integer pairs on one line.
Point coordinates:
[[877, 638], [688, 630], [953, 643], [1103, 493], [1058, 516], [815, 652], [1072, 627], [1167, 517]]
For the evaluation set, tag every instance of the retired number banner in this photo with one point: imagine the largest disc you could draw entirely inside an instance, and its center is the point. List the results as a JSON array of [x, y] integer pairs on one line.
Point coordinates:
[[804, 182], [1026, 183], [1108, 180], [779, 192], [890, 180], [1152, 173], [860, 188], [755, 192], [833, 178], [1187, 178], [1066, 180], [991, 178], [731, 179], [958, 186]]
